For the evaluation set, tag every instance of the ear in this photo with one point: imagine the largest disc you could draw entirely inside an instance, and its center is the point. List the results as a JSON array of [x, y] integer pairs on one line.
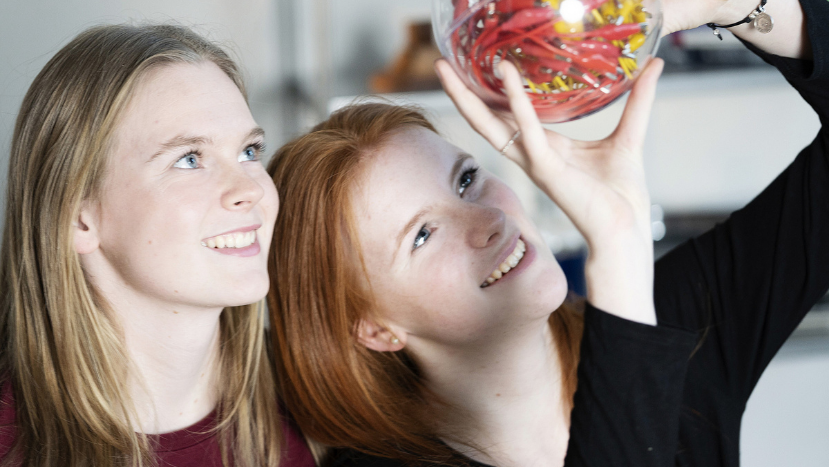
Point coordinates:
[[380, 338], [86, 228]]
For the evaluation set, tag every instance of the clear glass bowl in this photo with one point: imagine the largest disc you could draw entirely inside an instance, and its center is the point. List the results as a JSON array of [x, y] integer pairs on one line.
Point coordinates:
[[576, 56]]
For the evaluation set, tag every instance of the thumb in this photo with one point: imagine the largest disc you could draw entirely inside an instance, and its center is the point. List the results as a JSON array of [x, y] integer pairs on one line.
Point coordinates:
[[634, 123]]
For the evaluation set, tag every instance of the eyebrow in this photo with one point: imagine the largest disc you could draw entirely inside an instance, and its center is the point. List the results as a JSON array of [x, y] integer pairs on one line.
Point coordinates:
[[182, 140]]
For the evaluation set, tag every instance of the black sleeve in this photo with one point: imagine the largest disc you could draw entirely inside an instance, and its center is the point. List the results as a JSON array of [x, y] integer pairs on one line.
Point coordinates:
[[353, 458], [744, 286], [626, 407]]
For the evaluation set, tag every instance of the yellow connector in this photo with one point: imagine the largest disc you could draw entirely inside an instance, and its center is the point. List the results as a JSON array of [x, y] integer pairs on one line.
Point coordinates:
[[636, 41], [560, 83]]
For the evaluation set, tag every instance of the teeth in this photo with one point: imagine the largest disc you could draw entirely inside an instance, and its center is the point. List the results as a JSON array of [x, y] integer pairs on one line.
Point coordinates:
[[512, 261], [234, 240]]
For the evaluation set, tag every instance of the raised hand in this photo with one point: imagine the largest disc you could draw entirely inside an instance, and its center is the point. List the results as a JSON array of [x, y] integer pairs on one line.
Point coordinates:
[[600, 185]]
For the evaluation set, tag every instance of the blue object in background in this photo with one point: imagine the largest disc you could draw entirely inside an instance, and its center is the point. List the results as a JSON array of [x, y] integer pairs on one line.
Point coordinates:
[[572, 262]]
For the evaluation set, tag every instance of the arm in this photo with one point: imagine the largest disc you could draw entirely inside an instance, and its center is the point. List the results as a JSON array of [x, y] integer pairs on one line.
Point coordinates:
[[631, 373], [744, 286], [750, 281]]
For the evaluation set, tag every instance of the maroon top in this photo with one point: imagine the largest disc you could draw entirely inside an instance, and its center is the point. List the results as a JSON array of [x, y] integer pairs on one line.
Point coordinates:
[[194, 446]]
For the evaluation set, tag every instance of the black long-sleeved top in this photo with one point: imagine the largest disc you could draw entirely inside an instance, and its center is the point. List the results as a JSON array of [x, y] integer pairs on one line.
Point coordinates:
[[674, 394]]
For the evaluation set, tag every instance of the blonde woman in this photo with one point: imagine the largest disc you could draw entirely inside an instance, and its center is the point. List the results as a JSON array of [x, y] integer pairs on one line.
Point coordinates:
[[137, 223]]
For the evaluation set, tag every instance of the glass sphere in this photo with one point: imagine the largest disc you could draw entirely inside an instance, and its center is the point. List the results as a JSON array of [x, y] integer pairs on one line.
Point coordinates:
[[575, 56]]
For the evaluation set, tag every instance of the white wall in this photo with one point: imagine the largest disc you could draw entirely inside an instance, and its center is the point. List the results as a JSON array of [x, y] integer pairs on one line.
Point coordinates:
[[787, 418]]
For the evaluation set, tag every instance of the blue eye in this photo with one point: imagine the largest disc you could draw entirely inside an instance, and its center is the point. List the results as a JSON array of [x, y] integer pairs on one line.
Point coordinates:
[[188, 161], [249, 154], [467, 179], [252, 152], [421, 237]]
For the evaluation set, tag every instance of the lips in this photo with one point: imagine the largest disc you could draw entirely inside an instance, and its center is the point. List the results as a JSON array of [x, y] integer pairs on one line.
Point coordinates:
[[507, 265]]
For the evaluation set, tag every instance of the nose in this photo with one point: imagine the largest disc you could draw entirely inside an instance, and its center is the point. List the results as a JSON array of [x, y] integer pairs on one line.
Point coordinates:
[[486, 225], [242, 191]]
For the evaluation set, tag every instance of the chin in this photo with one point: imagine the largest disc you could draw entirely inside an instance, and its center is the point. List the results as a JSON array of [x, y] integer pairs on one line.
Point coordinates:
[[249, 292], [551, 290]]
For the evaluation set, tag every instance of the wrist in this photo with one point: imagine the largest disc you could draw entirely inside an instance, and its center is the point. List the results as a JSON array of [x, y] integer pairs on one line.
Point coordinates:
[[734, 10], [788, 36], [619, 280]]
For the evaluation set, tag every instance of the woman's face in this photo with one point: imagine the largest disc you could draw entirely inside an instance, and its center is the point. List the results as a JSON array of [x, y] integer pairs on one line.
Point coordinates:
[[433, 228], [186, 212]]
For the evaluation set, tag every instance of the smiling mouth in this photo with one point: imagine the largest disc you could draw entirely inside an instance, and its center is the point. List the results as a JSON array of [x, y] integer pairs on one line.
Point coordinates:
[[511, 262], [231, 240]]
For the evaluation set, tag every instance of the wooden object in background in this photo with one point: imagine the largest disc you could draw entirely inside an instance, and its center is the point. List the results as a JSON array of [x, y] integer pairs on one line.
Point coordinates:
[[413, 69]]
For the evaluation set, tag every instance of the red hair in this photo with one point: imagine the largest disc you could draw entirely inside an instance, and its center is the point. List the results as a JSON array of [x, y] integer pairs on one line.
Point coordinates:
[[341, 393]]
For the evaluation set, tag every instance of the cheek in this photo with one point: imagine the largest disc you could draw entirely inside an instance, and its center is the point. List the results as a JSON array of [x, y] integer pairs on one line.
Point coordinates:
[[270, 198], [431, 300], [502, 196], [151, 219]]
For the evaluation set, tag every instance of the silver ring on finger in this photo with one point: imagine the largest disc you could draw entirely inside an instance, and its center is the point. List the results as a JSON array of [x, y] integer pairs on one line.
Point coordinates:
[[510, 142]]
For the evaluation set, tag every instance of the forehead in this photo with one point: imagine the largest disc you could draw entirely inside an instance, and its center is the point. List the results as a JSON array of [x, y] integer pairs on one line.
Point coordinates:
[[407, 167], [410, 172], [182, 98]]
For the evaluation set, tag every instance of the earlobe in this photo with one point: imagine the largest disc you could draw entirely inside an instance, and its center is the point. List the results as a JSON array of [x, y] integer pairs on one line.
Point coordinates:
[[380, 338], [85, 229]]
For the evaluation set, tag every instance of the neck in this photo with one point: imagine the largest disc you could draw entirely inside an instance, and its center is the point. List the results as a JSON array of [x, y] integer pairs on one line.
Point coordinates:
[[172, 352], [174, 358], [506, 397]]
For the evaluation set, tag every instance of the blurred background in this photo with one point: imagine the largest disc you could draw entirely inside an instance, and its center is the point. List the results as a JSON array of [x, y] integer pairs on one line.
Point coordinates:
[[723, 126]]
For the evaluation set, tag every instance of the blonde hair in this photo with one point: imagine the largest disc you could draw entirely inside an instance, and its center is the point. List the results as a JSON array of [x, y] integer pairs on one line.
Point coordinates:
[[63, 350], [342, 393]]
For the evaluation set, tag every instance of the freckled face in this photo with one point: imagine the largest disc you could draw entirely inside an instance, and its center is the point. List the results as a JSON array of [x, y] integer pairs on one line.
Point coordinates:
[[433, 227], [183, 179]]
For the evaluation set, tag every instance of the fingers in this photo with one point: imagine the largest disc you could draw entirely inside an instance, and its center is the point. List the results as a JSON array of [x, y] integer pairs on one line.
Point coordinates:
[[634, 123], [473, 109], [533, 136]]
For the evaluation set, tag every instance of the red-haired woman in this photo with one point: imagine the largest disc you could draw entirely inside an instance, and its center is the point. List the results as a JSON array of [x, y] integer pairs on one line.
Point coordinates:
[[418, 317], [412, 305]]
